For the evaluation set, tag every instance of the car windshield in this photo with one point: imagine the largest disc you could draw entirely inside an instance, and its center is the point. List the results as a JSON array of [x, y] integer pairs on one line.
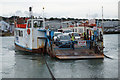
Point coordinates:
[[76, 34], [37, 23], [67, 31], [56, 34], [65, 37]]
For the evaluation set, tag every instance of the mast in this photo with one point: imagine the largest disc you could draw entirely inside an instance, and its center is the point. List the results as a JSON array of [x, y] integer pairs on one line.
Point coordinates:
[[31, 16], [43, 18], [102, 27], [102, 20], [30, 12]]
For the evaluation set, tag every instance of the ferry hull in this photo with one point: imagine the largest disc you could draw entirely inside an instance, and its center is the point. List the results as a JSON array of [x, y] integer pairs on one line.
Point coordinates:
[[40, 50]]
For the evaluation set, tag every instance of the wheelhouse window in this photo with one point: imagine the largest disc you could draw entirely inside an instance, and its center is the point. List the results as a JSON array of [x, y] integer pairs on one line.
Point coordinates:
[[75, 30], [29, 24], [17, 32], [37, 24], [21, 33]]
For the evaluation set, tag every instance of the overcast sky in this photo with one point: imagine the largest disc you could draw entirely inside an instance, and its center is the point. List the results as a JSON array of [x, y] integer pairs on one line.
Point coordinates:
[[61, 8]]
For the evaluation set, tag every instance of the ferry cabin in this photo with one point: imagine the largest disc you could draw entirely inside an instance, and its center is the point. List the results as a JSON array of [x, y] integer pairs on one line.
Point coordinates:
[[30, 36]]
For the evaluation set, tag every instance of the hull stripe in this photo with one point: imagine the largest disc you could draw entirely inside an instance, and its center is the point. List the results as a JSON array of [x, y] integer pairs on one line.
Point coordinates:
[[23, 46]]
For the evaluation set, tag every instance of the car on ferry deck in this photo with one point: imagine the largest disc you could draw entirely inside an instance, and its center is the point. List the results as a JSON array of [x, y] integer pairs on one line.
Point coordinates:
[[77, 35], [56, 34], [63, 40], [67, 31]]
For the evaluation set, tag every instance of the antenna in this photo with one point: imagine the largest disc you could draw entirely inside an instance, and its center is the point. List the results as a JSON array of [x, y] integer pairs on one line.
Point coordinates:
[[30, 11], [43, 18], [102, 15], [43, 12], [102, 19]]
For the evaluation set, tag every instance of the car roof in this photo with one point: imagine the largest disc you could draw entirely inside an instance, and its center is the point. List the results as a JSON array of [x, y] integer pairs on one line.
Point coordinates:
[[57, 32], [73, 32], [63, 34]]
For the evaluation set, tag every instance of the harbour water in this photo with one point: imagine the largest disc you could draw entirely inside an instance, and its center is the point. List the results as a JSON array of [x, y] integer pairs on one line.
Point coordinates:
[[17, 64]]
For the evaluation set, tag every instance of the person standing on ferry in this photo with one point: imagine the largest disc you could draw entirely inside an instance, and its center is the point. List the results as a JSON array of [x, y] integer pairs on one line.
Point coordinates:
[[73, 39]]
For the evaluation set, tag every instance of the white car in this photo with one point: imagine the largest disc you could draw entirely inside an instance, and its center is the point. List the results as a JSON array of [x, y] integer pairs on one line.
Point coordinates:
[[63, 40], [56, 34]]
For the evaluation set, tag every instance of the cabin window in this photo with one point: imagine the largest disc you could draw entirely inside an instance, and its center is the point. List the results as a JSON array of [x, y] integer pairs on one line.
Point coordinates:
[[81, 30], [17, 32], [29, 24], [20, 33], [75, 30], [38, 23]]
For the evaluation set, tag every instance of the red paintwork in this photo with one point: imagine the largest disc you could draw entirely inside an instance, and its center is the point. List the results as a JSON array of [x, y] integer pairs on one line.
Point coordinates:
[[21, 25], [71, 26]]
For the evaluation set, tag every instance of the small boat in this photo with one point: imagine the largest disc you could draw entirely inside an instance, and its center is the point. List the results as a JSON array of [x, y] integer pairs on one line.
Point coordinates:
[[30, 34]]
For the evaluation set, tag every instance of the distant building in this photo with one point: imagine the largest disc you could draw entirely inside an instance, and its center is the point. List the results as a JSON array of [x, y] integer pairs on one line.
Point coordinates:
[[110, 24], [119, 12], [0, 18], [12, 28], [4, 26]]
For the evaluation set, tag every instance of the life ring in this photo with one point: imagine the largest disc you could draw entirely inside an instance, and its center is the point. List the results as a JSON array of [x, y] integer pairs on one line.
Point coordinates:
[[28, 31]]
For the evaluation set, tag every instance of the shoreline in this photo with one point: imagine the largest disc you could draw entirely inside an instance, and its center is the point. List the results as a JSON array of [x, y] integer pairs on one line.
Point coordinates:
[[9, 34]]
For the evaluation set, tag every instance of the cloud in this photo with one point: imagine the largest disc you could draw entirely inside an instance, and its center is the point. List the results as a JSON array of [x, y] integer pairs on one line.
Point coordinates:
[[94, 15], [18, 13], [26, 13], [72, 8]]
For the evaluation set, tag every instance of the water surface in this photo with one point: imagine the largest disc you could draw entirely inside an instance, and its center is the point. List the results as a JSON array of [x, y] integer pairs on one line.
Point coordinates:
[[18, 64]]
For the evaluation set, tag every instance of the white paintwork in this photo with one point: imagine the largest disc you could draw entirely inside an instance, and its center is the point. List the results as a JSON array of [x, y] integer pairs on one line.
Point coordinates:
[[77, 29], [55, 37], [31, 40]]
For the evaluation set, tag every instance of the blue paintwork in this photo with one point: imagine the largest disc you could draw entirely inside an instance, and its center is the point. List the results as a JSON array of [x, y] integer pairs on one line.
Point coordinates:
[[42, 30], [22, 46], [88, 43], [52, 34], [17, 39]]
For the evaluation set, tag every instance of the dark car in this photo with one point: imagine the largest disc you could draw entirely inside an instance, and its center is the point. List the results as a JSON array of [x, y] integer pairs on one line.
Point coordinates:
[[63, 40]]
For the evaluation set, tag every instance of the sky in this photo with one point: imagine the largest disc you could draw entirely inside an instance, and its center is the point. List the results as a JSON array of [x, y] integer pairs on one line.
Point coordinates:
[[60, 8]]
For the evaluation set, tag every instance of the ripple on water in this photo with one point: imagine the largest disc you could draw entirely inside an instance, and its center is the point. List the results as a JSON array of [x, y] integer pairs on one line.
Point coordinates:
[[33, 66]]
